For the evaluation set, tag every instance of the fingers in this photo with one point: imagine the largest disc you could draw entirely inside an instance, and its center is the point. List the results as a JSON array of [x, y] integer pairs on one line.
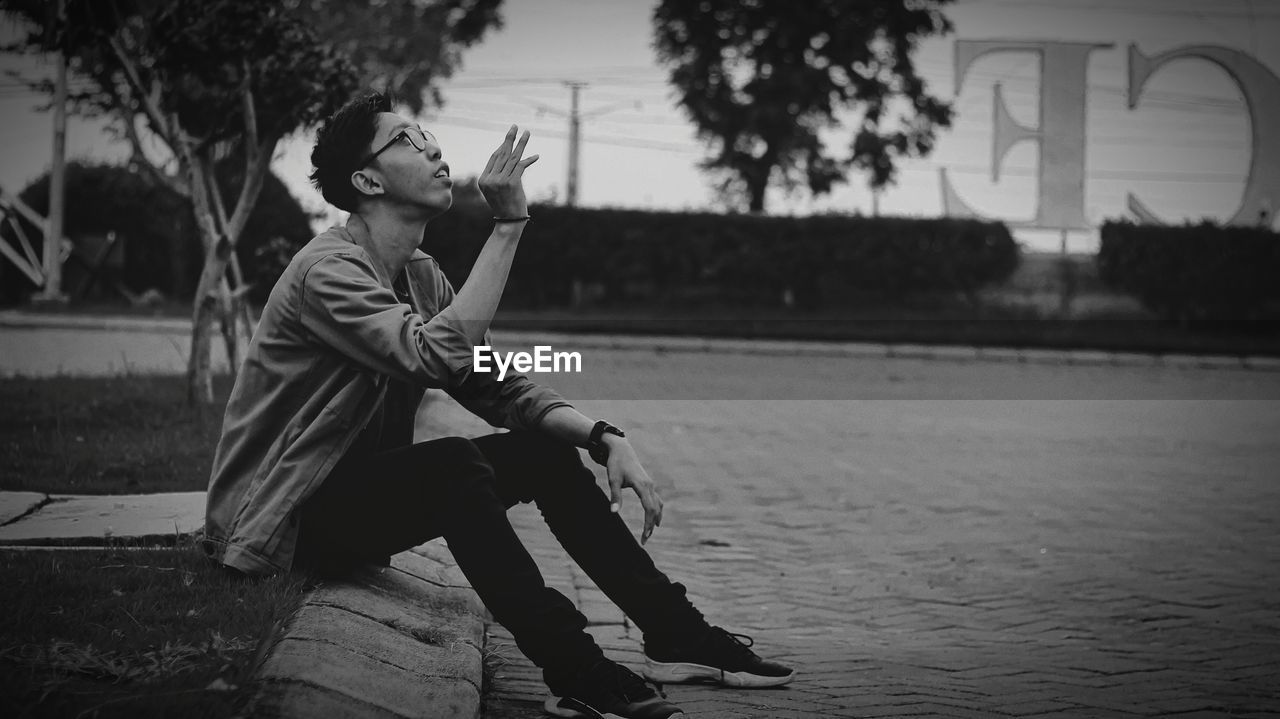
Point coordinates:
[[520, 166], [498, 160], [615, 491], [652, 511], [513, 159]]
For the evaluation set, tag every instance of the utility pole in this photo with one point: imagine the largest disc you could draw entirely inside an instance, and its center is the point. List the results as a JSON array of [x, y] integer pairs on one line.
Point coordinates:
[[575, 138], [52, 290], [575, 131]]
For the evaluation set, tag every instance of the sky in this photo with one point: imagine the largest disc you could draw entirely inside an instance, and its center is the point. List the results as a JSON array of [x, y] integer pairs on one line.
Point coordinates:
[[1184, 150]]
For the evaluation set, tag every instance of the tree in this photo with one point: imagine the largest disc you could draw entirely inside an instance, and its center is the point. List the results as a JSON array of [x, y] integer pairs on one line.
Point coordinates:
[[147, 216], [217, 81], [761, 78]]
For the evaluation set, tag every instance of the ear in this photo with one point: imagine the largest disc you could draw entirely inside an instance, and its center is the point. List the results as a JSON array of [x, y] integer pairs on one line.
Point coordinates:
[[367, 182]]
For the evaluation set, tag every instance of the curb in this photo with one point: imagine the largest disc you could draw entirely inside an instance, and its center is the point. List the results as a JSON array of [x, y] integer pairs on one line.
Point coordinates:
[[399, 641], [869, 350], [677, 343], [113, 323]]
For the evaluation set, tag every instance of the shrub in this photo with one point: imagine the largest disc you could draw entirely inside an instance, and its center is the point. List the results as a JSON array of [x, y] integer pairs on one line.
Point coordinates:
[[1194, 272], [639, 255], [157, 228]]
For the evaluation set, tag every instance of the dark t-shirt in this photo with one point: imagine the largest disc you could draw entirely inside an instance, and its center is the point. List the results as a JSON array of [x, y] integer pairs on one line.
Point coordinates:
[[392, 423]]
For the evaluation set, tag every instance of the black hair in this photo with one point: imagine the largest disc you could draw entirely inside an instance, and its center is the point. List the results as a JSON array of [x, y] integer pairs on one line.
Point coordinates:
[[342, 142]]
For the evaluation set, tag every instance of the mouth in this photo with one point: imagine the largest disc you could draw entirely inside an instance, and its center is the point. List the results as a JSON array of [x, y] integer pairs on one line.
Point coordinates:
[[442, 172]]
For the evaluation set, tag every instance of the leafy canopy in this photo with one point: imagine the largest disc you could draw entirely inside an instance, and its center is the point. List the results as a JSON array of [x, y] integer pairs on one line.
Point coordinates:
[[761, 78]]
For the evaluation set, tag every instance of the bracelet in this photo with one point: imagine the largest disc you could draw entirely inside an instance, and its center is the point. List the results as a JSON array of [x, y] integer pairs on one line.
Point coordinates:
[[526, 218]]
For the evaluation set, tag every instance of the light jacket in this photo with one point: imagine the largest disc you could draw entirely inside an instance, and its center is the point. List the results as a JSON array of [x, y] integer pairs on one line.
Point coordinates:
[[331, 334]]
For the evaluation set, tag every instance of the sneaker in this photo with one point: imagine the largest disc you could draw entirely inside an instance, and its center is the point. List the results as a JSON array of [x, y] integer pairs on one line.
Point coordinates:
[[720, 657], [609, 690]]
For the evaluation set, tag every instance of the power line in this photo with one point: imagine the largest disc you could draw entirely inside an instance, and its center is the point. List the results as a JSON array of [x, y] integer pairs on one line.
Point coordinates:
[[1123, 10], [473, 123], [1100, 174]]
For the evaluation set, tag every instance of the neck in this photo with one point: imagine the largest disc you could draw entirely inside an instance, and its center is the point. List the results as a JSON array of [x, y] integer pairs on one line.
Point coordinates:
[[392, 236]]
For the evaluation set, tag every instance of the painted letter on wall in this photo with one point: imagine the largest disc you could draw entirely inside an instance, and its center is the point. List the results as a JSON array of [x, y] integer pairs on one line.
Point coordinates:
[[1061, 135], [1261, 90]]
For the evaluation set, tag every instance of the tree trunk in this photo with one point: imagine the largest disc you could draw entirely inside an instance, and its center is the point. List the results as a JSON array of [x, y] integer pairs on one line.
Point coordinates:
[[216, 297], [757, 179], [212, 301], [204, 313], [756, 206]]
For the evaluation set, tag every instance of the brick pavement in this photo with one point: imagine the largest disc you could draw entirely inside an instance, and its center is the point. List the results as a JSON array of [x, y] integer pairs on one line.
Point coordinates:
[[934, 557]]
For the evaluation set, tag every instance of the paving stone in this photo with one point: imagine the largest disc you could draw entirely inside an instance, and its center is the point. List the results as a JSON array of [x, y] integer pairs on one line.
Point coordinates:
[[92, 519], [892, 550]]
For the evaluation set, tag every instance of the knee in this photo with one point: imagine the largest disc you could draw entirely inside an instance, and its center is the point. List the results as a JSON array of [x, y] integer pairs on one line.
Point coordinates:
[[460, 464], [548, 454]]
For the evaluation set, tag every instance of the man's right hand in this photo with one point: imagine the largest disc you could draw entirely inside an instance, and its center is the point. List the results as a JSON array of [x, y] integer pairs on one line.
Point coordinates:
[[502, 182]]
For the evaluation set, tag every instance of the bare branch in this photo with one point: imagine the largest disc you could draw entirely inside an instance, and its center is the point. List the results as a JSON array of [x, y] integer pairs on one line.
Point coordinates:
[[216, 207], [253, 180], [145, 99], [174, 182], [200, 198], [250, 117]]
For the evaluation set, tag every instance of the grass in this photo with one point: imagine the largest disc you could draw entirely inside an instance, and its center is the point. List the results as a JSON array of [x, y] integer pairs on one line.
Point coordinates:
[[124, 435], [117, 632]]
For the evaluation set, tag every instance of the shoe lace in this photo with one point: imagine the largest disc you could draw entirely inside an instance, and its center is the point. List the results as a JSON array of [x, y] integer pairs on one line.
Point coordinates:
[[621, 681], [736, 644]]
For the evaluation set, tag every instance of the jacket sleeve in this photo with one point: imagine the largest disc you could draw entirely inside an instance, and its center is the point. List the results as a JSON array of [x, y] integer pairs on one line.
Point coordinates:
[[346, 308], [515, 402]]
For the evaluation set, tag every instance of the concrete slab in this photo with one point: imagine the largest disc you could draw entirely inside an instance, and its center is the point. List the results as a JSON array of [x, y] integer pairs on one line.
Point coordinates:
[[1044, 356], [1183, 361], [364, 680], [380, 642], [1091, 358], [285, 699], [16, 504], [393, 598], [91, 519], [58, 351], [1001, 354], [421, 655], [1265, 364], [1133, 359], [432, 562]]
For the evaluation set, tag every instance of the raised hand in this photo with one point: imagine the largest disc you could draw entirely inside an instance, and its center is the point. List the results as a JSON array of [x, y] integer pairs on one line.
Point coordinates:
[[502, 182]]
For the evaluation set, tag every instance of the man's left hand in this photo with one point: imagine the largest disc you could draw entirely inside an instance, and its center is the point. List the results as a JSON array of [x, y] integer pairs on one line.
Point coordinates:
[[625, 471]]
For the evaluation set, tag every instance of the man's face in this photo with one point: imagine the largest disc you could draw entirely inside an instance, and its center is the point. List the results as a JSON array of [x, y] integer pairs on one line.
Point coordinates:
[[407, 174]]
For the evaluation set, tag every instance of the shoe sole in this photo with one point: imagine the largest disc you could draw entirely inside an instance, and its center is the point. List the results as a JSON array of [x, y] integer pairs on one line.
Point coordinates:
[[680, 673], [552, 707]]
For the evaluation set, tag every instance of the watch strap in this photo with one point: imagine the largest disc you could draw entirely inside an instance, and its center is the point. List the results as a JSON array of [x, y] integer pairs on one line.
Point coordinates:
[[596, 447]]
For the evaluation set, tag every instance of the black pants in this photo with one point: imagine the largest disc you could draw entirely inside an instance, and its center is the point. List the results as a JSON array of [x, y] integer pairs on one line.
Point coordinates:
[[460, 489]]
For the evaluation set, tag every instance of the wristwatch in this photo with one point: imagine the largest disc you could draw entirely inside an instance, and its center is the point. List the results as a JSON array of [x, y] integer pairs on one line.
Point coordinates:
[[595, 445]]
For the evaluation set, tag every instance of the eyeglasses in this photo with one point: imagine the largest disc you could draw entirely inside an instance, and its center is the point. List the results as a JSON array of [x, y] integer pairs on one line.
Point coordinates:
[[416, 136]]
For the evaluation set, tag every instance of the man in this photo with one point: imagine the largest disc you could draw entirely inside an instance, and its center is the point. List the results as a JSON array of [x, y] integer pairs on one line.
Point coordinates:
[[316, 466]]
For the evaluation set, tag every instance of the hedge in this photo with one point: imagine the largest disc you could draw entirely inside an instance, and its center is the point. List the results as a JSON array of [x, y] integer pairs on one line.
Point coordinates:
[[1194, 272], [162, 248], [632, 256]]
